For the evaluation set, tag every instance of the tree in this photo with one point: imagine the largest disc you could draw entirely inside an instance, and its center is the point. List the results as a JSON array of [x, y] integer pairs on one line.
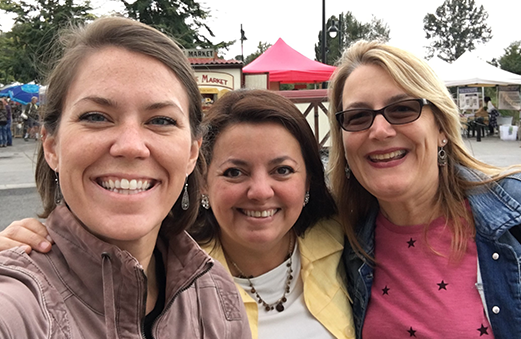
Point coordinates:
[[455, 28], [511, 60], [261, 48], [30, 42], [349, 30], [180, 19]]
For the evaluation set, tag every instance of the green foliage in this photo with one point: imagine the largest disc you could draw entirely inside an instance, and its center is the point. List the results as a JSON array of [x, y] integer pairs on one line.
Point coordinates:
[[349, 30], [261, 48], [26, 48], [183, 20], [511, 60], [455, 28]]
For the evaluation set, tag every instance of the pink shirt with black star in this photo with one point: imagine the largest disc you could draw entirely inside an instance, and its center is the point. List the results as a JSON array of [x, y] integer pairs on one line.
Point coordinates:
[[418, 293]]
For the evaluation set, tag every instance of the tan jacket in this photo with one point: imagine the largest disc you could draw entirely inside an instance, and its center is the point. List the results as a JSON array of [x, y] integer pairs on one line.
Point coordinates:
[[323, 276], [86, 288]]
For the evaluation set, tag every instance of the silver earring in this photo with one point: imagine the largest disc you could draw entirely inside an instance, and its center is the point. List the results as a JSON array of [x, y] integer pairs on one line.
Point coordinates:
[[58, 197], [442, 157], [205, 202], [348, 171], [306, 198], [185, 201]]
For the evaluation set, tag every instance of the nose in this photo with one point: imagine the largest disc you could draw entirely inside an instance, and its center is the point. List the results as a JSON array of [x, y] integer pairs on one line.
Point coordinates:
[[381, 128], [130, 141], [260, 188]]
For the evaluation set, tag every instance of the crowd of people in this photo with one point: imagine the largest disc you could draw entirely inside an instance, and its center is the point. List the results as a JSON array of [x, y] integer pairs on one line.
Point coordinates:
[[16, 118], [164, 222]]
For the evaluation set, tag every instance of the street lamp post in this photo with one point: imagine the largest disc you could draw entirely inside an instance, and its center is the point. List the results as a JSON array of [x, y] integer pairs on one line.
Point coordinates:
[[324, 31]]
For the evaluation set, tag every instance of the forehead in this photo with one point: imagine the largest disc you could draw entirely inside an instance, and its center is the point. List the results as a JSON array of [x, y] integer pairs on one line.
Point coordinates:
[[126, 75], [253, 139]]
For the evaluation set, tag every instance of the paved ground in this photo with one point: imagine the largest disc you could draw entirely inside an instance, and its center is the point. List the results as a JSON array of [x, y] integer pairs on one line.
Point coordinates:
[[18, 197]]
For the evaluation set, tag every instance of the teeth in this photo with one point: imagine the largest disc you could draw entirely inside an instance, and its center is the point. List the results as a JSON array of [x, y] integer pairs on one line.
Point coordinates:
[[260, 214], [125, 186], [387, 156]]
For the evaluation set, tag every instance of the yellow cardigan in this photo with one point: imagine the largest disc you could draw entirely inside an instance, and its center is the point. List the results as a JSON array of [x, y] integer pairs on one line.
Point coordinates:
[[323, 276]]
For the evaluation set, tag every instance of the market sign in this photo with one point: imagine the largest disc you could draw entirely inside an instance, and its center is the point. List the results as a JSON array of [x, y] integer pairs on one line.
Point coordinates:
[[214, 79], [200, 53], [509, 98]]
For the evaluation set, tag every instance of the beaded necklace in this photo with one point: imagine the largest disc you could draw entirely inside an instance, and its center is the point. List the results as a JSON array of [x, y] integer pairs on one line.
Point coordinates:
[[279, 304]]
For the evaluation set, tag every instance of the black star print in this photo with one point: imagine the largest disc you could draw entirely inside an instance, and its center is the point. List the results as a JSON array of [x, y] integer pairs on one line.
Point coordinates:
[[443, 285], [482, 330], [386, 290], [412, 333], [411, 243]]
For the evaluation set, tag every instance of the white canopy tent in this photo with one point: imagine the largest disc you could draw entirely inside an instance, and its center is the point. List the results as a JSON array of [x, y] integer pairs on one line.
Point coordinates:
[[469, 70]]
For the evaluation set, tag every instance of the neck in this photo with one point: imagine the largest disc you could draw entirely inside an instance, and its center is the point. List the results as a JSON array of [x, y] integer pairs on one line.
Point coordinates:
[[410, 213], [255, 262]]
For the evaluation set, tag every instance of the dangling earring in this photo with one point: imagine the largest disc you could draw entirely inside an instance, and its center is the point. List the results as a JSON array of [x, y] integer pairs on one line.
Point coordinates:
[[306, 198], [348, 171], [185, 201], [58, 197], [442, 155], [205, 202]]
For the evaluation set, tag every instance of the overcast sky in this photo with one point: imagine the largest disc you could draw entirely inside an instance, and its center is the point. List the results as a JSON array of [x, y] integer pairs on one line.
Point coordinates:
[[298, 22]]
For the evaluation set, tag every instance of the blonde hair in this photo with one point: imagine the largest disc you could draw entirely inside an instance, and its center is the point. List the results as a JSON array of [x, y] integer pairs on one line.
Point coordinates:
[[418, 80]]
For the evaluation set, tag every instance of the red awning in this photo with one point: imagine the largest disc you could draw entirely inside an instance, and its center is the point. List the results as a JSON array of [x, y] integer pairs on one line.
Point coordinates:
[[286, 65]]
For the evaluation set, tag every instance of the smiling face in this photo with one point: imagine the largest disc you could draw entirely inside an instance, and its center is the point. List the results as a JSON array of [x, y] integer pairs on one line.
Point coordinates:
[[123, 147], [395, 163], [256, 184]]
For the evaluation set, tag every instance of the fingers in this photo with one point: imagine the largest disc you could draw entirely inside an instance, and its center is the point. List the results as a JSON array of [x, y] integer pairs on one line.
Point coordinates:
[[26, 232]]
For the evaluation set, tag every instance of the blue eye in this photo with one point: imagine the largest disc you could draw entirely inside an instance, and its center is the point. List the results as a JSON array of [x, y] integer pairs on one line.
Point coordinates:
[[93, 117], [232, 173], [163, 121]]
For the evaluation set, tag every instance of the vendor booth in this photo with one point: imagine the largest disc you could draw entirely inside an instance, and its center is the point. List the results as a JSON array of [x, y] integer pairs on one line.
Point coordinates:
[[282, 64]]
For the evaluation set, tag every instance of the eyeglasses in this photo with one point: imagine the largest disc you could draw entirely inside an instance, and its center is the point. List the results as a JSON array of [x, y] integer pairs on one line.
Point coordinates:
[[398, 113]]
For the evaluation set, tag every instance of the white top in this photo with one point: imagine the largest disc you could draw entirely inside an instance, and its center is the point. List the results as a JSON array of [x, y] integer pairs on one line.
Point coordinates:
[[490, 106], [295, 322]]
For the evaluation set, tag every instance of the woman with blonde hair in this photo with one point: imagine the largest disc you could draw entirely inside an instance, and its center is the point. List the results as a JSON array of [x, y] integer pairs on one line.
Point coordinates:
[[433, 233]]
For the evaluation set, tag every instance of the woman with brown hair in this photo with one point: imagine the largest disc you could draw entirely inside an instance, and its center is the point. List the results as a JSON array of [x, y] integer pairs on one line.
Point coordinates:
[[120, 141]]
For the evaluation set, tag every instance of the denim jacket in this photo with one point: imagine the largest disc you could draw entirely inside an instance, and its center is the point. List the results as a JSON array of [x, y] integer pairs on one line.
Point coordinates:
[[496, 209]]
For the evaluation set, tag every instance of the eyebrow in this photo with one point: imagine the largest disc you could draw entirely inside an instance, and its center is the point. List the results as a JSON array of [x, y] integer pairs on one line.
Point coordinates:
[[388, 101], [111, 103], [278, 160]]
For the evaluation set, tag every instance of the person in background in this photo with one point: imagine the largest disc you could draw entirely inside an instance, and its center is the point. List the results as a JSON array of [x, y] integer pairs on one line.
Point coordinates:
[[434, 236], [9, 137], [115, 170], [493, 113], [32, 122], [3, 124], [266, 217]]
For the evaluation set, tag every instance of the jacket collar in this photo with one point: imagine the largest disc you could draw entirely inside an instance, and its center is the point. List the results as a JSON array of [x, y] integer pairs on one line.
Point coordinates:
[[495, 206]]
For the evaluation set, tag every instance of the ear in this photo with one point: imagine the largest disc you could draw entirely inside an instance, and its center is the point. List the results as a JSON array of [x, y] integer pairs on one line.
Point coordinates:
[[442, 139], [50, 149], [194, 154]]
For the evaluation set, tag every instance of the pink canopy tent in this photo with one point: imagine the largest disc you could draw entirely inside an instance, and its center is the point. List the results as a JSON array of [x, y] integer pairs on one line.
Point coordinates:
[[286, 65]]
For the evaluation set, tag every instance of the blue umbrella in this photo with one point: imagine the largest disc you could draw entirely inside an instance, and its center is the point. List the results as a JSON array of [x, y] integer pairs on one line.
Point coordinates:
[[21, 93]]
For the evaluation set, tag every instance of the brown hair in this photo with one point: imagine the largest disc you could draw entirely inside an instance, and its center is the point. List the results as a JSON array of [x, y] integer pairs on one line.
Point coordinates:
[[78, 43], [257, 107], [418, 80]]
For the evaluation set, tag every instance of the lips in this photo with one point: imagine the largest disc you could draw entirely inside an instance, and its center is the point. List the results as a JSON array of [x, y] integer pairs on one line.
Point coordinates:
[[386, 157], [126, 186], [259, 214]]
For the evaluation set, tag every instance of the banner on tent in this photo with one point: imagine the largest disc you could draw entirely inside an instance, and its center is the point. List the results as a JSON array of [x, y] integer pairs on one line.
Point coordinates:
[[469, 98], [509, 98]]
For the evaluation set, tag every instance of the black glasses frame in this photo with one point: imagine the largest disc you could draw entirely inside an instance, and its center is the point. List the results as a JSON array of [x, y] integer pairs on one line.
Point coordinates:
[[340, 115]]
